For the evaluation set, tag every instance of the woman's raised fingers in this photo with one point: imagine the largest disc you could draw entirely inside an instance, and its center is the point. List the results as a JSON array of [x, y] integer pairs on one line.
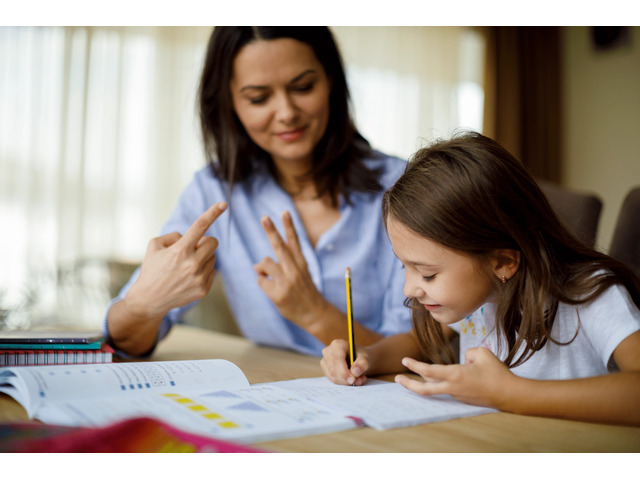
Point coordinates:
[[198, 228]]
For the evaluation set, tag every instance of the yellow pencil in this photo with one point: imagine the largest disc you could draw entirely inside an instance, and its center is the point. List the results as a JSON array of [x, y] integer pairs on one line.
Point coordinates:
[[352, 346]]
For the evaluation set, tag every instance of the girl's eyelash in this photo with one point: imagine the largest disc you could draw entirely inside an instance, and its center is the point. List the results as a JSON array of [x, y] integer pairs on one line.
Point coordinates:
[[426, 279]]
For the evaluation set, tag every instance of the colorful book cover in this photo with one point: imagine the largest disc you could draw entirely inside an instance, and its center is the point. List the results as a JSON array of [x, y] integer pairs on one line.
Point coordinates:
[[51, 346], [137, 435]]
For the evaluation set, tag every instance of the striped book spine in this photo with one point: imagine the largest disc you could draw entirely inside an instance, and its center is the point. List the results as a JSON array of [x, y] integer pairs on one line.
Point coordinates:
[[13, 358]]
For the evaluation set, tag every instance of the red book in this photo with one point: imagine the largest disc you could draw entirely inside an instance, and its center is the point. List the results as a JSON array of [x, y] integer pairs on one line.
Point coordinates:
[[136, 435]]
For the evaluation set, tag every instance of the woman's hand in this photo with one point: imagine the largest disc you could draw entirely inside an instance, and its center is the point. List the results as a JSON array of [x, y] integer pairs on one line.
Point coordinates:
[[287, 282], [335, 367], [482, 380], [177, 269]]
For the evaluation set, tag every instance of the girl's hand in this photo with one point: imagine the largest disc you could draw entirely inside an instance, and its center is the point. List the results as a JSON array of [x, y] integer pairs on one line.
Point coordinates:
[[482, 380], [335, 367], [177, 269], [288, 282]]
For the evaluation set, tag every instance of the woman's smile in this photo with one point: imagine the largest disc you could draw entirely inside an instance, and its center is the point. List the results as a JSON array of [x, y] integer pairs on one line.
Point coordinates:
[[291, 135], [280, 93]]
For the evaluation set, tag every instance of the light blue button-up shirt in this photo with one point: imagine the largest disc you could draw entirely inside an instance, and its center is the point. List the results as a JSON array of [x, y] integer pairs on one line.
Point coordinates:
[[357, 240]]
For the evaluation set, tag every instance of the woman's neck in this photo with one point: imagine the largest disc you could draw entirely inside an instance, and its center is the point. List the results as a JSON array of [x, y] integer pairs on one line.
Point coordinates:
[[317, 214], [294, 178]]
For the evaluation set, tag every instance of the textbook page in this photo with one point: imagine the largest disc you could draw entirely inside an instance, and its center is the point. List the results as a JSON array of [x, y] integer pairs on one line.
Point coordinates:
[[207, 397], [383, 405], [244, 415], [34, 386]]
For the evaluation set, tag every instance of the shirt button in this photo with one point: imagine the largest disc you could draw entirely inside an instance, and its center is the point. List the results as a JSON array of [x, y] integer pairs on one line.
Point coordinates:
[[330, 247]]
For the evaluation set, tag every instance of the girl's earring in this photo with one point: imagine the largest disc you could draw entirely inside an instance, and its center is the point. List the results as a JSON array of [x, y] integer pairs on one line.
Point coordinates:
[[503, 279]]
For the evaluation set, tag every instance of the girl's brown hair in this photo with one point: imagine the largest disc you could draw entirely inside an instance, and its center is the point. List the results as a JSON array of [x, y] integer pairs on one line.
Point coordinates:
[[470, 194]]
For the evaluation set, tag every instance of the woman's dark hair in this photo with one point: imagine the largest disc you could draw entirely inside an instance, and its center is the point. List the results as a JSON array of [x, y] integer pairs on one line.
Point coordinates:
[[471, 195], [338, 161]]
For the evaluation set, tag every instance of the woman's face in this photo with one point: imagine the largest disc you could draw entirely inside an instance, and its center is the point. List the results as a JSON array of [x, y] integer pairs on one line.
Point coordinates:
[[280, 93], [449, 284]]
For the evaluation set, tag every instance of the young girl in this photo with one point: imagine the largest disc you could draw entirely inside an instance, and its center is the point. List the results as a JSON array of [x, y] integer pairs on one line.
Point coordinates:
[[547, 325]]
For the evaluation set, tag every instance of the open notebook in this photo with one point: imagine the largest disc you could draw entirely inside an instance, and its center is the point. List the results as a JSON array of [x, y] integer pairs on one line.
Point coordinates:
[[214, 398]]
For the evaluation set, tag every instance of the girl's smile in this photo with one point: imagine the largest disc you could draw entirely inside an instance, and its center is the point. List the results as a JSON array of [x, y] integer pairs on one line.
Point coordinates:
[[449, 284], [431, 307]]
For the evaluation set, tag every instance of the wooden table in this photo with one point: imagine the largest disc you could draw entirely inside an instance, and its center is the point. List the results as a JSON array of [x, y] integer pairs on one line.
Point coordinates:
[[495, 432]]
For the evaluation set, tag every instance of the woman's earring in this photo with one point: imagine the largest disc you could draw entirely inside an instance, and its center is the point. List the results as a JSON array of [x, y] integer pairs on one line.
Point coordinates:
[[504, 279]]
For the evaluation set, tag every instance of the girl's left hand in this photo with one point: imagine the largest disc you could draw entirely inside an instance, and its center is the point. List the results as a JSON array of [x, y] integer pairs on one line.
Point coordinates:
[[288, 282], [482, 380]]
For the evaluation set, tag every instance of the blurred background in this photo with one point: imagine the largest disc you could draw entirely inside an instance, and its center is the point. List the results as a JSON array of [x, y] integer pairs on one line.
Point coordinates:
[[99, 134]]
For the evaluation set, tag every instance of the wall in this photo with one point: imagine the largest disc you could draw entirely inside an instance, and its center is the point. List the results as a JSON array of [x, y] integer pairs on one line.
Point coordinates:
[[601, 121]]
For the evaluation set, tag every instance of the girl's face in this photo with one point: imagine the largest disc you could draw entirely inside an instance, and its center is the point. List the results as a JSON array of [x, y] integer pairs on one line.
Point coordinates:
[[449, 284], [280, 93]]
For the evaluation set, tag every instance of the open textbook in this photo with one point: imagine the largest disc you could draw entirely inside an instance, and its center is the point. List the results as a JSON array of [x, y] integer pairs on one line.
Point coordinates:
[[214, 398]]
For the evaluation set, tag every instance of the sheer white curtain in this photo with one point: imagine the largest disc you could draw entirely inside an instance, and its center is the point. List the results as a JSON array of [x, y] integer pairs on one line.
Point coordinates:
[[98, 135], [411, 85]]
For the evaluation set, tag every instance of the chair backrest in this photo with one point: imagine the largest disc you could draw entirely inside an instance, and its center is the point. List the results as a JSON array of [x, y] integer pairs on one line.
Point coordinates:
[[580, 211], [625, 244]]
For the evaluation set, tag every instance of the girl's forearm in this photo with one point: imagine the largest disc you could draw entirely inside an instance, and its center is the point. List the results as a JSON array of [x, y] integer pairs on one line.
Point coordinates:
[[613, 398]]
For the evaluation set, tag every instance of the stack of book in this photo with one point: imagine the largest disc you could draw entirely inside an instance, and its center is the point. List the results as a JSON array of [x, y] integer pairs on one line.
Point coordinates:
[[53, 348]]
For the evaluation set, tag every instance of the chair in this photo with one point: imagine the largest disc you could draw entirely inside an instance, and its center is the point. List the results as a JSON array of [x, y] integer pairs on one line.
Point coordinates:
[[625, 244], [580, 211]]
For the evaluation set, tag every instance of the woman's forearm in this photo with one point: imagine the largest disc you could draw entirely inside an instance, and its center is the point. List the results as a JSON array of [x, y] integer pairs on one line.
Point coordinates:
[[330, 323], [132, 333]]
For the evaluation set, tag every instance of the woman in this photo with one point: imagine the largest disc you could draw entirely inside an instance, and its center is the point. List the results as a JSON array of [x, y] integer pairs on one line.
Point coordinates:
[[280, 142]]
